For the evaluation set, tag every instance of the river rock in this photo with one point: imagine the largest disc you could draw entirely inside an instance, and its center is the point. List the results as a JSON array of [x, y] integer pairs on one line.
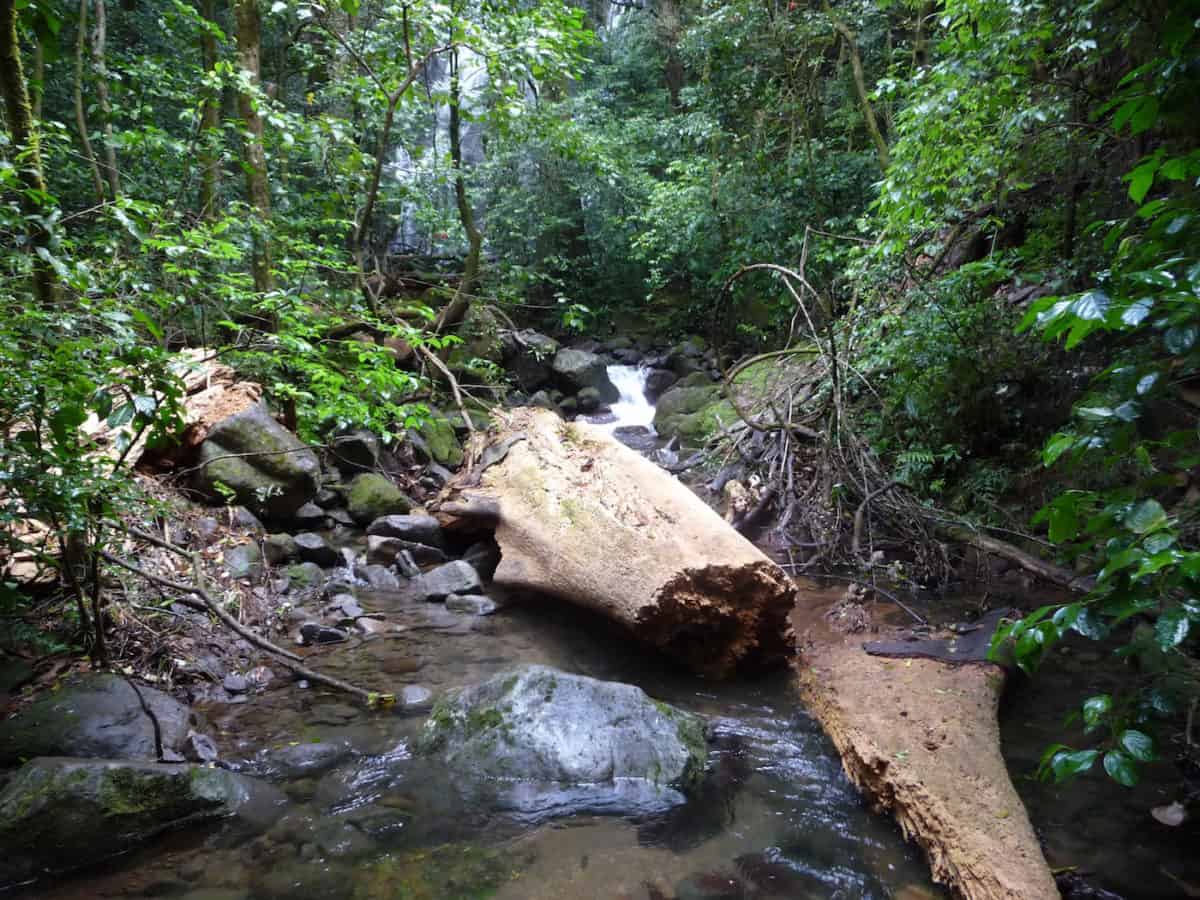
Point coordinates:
[[471, 604], [97, 715], [563, 742], [692, 410], [317, 633], [528, 356], [58, 814], [658, 381], [416, 528], [588, 400], [380, 577], [315, 549], [281, 477], [243, 561], [372, 495], [356, 451], [456, 577], [575, 370], [310, 515], [304, 576], [484, 557], [279, 548], [543, 400], [384, 550]]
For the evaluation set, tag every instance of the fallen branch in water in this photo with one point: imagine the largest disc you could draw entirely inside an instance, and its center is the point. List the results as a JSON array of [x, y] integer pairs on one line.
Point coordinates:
[[1045, 570], [285, 658]]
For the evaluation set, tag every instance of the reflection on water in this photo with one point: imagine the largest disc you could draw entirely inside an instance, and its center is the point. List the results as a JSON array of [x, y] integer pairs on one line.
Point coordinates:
[[367, 819]]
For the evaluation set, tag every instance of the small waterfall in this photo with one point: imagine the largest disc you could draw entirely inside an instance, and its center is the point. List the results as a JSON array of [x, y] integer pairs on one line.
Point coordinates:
[[632, 408]]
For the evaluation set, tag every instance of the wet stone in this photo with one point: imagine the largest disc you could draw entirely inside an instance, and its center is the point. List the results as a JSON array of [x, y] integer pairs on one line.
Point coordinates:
[[456, 577], [416, 528], [344, 606], [315, 549], [380, 577], [199, 748], [341, 517], [243, 561], [415, 695], [471, 604], [279, 548], [235, 683], [316, 633]]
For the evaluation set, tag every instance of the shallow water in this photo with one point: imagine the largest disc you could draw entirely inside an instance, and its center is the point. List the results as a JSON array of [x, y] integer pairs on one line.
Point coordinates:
[[774, 818]]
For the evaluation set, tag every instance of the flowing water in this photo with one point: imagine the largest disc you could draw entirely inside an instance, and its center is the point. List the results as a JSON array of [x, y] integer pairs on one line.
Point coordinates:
[[632, 409], [774, 818]]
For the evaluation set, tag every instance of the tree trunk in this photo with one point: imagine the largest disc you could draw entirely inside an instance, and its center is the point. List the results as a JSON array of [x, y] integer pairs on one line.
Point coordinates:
[[26, 146], [80, 116], [99, 40], [582, 517], [210, 118], [249, 28], [860, 86], [456, 309]]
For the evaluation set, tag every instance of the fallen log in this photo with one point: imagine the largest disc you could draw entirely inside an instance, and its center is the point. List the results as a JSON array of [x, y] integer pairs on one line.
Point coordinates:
[[919, 737], [580, 516]]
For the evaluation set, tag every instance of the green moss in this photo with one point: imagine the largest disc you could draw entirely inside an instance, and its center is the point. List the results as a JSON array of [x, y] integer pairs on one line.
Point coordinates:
[[448, 872], [442, 441]]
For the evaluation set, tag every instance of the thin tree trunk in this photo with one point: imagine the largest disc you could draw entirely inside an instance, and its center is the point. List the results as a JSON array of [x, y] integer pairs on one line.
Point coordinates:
[[456, 309], [860, 86], [249, 28], [80, 116], [26, 145], [210, 118], [99, 40], [39, 77]]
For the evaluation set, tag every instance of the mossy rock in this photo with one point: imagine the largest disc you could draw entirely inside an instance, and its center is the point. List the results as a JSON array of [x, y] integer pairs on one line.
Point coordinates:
[[693, 411], [448, 872], [372, 496], [59, 814], [567, 740], [442, 442], [264, 466]]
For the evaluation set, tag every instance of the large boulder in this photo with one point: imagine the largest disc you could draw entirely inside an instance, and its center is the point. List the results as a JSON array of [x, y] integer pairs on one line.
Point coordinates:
[[58, 814], [455, 577], [439, 443], [266, 467], [528, 356], [372, 495], [575, 370], [96, 715], [552, 741]]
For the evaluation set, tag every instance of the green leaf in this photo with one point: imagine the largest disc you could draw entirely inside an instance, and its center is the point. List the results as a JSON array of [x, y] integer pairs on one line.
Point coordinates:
[[1137, 744], [1095, 709], [1121, 768], [1141, 180], [1066, 765], [1172, 627], [1056, 447], [1147, 516], [1136, 312], [1181, 338]]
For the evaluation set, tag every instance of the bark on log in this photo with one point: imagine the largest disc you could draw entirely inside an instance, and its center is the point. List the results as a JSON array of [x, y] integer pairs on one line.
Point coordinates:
[[580, 516], [919, 738]]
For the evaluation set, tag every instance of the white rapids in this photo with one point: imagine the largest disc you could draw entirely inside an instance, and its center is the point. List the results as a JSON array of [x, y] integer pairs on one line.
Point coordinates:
[[632, 408]]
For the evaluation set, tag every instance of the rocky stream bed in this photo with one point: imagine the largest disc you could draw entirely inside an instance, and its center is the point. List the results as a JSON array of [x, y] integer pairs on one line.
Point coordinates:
[[531, 749]]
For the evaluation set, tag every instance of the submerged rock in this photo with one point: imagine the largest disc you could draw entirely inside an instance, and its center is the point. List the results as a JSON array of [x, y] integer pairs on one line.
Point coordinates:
[[471, 604], [98, 716], [558, 743], [280, 476], [60, 814]]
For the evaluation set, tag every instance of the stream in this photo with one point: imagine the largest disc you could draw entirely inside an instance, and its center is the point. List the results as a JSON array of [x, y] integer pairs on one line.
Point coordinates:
[[775, 817]]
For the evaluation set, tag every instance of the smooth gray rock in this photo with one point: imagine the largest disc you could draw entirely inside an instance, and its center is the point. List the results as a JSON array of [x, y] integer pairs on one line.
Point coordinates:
[[471, 604], [343, 607], [384, 550], [315, 549], [372, 495], [484, 557], [575, 370], [241, 519], [456, 577], [235, 683], [528, 356], [416, 528], [281, 476], [562, 742], [96, 715], [279, 548], [58, 814], [244, 561], [380, 577]]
